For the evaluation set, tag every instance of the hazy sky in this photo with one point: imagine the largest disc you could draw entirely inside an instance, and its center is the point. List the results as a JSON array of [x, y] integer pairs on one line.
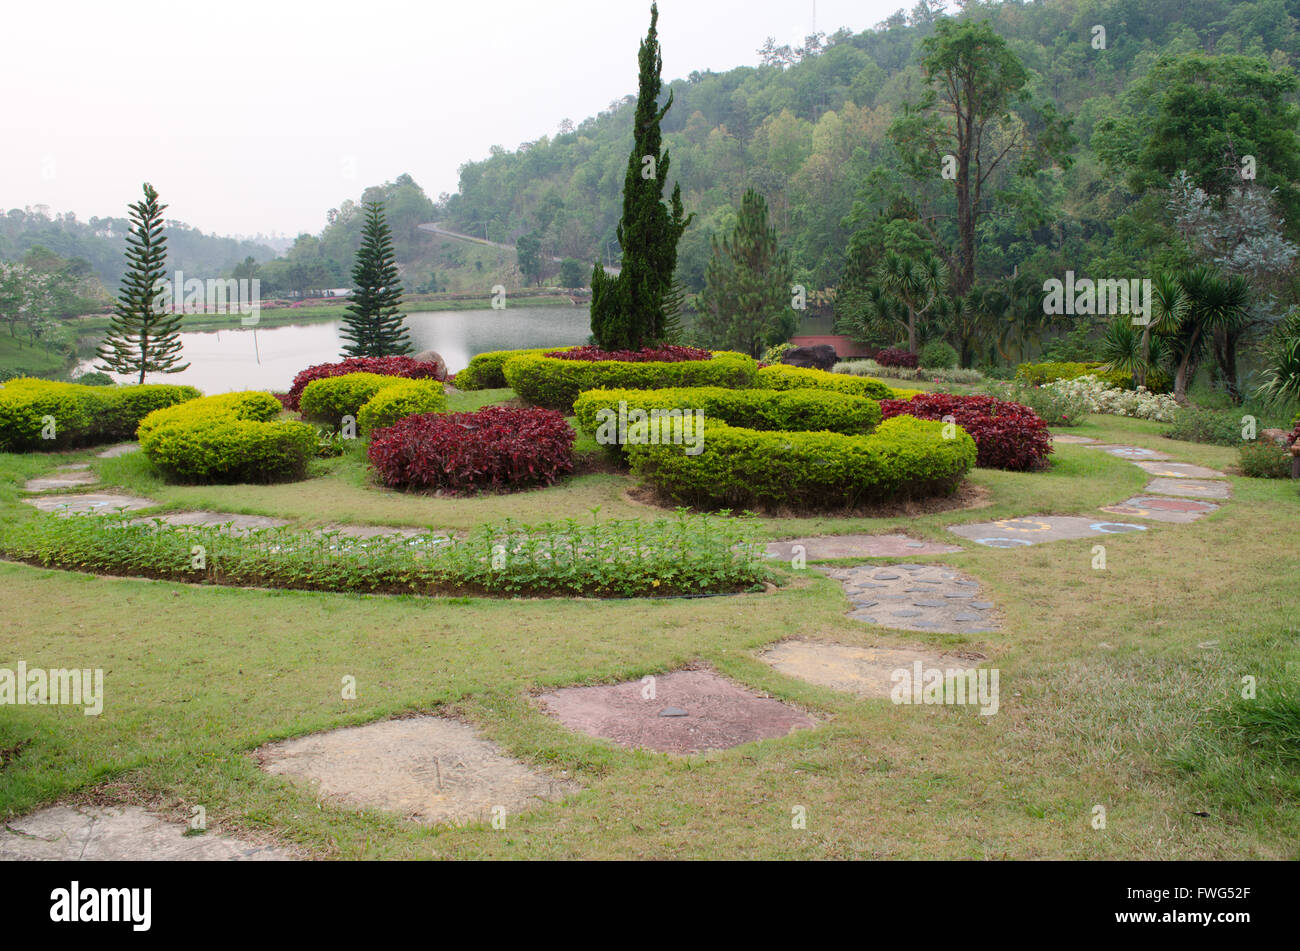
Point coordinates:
[[259, 116]]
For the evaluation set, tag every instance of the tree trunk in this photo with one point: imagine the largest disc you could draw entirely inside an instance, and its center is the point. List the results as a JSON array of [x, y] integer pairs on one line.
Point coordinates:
[[911, 329], [1140, 372], [1225, 355]]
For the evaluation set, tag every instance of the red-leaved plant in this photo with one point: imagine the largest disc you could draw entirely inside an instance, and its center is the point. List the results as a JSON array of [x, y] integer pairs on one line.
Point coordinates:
[[1007, 435], [670, 353], [385, 366], [890, 357], [495, 447]]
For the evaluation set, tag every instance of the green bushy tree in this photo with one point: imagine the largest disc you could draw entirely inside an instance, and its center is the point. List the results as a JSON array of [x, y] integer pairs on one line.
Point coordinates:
[[373, 325]]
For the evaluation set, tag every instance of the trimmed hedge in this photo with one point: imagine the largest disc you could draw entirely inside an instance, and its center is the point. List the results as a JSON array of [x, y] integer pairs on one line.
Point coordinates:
[[329, 400], [494, 447], [485, 371], [1036, 374], [744, 468], [792, 410], [555, 383], [83, 415], [782, 377], [1009, 435], [407, 368], [397, 401], [233, 437]]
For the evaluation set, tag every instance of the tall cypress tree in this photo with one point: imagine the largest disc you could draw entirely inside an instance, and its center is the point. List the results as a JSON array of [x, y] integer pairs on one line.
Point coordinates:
[[628, 311], [745, 304], [373, 324], [143, 337]]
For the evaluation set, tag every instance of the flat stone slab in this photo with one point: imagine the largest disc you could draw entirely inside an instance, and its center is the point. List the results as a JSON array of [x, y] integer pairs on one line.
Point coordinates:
[[719, 713], [428, 769], [1191, 488], [858, 546], [1131, 453], [121, 449], [229, 520], [97, 502], [862, 671], [62, 478], [1179, 470], [928, 598], [1065, 438], [371, 531], [1161, 508], [119, 834], [1035, 529]]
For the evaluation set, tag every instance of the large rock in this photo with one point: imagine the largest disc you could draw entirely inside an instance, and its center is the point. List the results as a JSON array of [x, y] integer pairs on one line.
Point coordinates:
[[1280, 436], [819, 357], [434, 357]]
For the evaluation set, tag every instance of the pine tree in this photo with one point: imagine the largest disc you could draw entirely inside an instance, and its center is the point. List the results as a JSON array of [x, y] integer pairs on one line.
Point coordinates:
[[373, 325], [143, 336], [745, 304], [627, 311]]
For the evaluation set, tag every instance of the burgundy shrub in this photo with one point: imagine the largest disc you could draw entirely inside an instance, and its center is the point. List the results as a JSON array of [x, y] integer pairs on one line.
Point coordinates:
[[890, 357], [385, 366], [495, 447], [666, 354], [1007, 435]]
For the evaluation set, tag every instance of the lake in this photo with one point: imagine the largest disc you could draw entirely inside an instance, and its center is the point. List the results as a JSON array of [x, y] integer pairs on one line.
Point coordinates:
[[251, 358]]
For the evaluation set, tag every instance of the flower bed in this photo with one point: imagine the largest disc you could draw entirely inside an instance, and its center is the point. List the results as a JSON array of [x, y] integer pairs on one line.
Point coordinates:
[[234, 437], [44, 415], [746, 469], [383, 366], [497, 447], [1009, 435], [1101, 396], [555, 383]]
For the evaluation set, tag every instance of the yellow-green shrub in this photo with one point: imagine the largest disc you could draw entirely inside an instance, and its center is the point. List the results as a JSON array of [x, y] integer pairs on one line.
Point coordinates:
[[782, 377], [485, 371], [793, 410], [555, 384], [404, 398], [1036, 374], [744, 468], [233, 437], [81, 415]]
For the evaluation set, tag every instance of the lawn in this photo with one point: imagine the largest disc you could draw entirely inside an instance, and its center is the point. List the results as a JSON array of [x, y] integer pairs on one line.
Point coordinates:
[[1118, 686]]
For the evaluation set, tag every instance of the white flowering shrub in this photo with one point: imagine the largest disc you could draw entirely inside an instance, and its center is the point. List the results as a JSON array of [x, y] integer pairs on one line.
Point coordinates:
[[1102, 397]]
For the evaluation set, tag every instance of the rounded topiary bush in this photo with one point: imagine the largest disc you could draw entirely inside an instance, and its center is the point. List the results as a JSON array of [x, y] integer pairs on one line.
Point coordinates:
[[497, 447], [555, 383], [937, 355], [234, 437], [399, 399], [404, 367], [1009, 435], [487, 370], [745, 468], [43, 415], [783, 377]]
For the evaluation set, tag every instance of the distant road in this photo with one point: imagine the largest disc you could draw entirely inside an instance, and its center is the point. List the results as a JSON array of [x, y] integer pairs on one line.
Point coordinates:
[[436, 228]]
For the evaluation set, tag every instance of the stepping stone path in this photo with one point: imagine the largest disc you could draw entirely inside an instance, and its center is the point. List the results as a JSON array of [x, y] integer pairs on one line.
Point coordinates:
[[1172, 496], [64, 477], [858, 546], [1161, 509], [113, 834], [121, 449], [1192, 488], [863, 671], [428, 769], [97, 502], [718, 713], [232, 522], [915, 598], [1036, 529]]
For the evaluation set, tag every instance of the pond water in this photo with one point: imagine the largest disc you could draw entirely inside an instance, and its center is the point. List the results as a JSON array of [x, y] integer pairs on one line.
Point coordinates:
[[266, 358]]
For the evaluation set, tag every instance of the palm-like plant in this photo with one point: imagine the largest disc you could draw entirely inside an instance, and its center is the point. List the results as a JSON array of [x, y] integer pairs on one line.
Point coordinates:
[[1214, 303], [871, 314], [917, 282], [1281, 378]]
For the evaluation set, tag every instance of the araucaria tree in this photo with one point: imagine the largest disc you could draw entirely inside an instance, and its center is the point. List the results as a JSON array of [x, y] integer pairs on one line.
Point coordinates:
[[628, 310], [745, 304], [373, 325], [144, 336]]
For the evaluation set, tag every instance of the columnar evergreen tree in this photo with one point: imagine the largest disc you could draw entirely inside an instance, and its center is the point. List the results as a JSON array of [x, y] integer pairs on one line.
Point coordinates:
[[143, 336], [627, 311], [373, 324], [745, 304]]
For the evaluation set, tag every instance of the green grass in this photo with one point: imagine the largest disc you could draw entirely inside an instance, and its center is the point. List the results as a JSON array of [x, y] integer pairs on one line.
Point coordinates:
[[18, 354], [1119, 687]]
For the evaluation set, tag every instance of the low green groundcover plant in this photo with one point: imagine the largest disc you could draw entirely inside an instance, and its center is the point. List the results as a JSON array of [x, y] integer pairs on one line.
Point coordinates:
[[45, 415], [233, 437], [554, 383], [686, 554], [1265, 460], [1217, 427], [795, 410], [748, 469]]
